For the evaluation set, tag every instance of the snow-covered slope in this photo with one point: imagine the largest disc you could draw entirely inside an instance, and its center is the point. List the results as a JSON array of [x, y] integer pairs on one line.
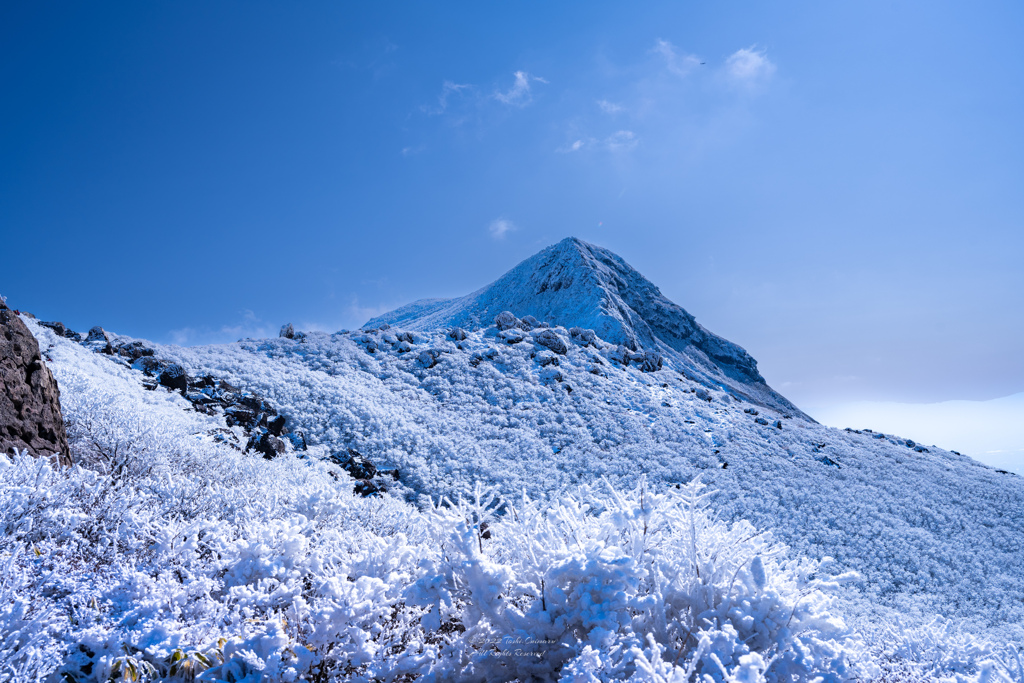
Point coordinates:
[[930, 530], [172, 551], [543, 410], [576, 284]]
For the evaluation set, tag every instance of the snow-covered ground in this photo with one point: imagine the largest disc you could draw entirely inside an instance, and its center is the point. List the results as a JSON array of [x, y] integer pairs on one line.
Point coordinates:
[[166, 554], [640, 506], [931, 531]]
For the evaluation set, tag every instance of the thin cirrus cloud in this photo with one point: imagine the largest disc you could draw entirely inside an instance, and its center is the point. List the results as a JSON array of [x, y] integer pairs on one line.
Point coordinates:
[[619, 141], [676, 62], [500, 227], [521, 92], [610, 107], [749, 66], [448, 90]]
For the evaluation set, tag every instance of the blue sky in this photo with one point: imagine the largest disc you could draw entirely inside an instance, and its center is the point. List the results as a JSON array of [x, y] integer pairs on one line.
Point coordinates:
[[837, 187]]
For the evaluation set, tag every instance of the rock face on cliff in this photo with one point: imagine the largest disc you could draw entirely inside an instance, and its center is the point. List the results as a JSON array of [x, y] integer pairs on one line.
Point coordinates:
[[30, 417]]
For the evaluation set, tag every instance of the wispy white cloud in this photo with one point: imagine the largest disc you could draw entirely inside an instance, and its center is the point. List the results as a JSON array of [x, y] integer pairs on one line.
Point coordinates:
[[520, 94], [749, 66], [678, 63], [249, 326], [619, 141], [448, 90], [610, 107], [574, 146], [499, 227]]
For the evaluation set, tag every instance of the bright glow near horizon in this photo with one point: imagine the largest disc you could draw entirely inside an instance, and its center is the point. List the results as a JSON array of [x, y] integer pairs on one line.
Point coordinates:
[[991, 432]]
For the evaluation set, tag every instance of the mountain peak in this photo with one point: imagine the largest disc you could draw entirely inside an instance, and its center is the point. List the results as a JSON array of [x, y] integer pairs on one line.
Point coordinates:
[[577, 284]]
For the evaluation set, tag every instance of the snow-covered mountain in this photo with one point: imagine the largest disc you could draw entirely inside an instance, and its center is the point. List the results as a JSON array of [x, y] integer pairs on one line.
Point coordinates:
[[570, 372], [576, 284], [528, 404]]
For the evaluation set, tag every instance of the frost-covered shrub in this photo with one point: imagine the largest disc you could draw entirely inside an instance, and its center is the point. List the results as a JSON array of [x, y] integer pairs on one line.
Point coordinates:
[[941, 650], [612, 584], [281, 574]]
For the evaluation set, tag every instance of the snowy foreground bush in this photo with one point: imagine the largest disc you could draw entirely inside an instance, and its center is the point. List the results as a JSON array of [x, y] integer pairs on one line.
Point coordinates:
[[281, 573], [239, 569]]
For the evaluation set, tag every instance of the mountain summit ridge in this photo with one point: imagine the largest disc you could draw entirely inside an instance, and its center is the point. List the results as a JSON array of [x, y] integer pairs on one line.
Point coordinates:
[[577, 284]]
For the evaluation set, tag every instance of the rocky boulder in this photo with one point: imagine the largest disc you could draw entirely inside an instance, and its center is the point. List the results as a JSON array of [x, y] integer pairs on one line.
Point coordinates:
[[583, 336], [550, 340], [506, 320], [650, 361], [98, 334], [174, 377], [30, 416]]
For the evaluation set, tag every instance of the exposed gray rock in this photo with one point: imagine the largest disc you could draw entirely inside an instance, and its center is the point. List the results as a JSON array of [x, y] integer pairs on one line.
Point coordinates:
[[149, 365], [58, 327], [98, 334], [173, 377], [428, 358], [267, 444], [133, 350], [506, 320], [620, 354], [546, 358], [528, 322], [511, 336], [650, 361], [583, 336], [549, 339], [30, 417]]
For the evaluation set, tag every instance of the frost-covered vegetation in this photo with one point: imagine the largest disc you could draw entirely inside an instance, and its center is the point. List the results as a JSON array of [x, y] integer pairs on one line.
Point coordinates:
[[932, 532], [166, 554]]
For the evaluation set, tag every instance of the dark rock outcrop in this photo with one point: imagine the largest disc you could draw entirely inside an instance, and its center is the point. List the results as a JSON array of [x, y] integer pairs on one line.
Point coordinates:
[[369, 480], [650, 361], [550, 340], [429, 358], [506, 320], [98, 334], [132, 351], [174, 377], [30, 416]]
